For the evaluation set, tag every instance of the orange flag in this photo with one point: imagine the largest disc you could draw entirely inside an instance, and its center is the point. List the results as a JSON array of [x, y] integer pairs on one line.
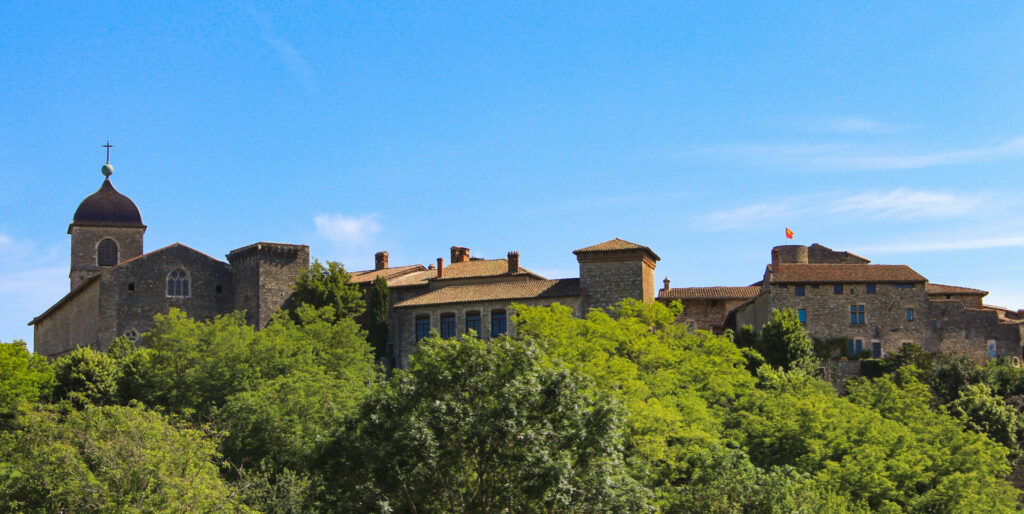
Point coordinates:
[[789, 233]]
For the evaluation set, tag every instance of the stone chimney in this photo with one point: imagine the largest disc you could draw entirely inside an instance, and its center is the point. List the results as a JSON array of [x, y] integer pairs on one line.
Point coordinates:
[[513, 263], [460, 254], [440, 267], [666, 284], [380, 260]]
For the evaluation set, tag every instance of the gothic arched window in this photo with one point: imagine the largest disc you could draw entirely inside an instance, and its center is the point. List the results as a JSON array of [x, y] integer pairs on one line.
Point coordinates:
[[106, 253], [177, 284]]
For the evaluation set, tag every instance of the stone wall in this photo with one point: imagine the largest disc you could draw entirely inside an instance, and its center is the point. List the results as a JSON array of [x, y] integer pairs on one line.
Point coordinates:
[[137, 290], [705, 314], [84, 242], [604, 283], [828, 313], [405, 320], [837, 372], [265, 275], [967, 331], [71, 325]]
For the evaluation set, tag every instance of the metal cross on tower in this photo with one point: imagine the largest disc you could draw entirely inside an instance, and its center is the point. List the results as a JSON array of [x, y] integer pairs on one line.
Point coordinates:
[[108, 146]]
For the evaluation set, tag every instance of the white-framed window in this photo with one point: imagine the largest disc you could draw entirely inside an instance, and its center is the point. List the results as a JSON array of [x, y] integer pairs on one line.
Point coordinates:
[[857, 314], [106, 252], [178, 284]]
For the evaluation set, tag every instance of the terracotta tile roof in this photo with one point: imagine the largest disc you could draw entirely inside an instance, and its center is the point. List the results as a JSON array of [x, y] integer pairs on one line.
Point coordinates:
[[511, 290], [362, 277], [416, 278], [615, 245], [709, 293], [480, 268], [841, 273], [944, 289]]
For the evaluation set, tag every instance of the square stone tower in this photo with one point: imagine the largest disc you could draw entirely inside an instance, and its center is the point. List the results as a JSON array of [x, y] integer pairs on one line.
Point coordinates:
[[264, 277], [614, 270]]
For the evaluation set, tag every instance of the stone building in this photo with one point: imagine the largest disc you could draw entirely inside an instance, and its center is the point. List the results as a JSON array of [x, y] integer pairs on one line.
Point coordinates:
[[116, 289], [472, 294], [878, 307], [706, 308]]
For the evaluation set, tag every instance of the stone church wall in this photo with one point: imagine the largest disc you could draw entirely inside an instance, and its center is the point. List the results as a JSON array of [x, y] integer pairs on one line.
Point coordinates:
[[604, 283], [71, 325], [265, 275], [136, 291], [84, 241]]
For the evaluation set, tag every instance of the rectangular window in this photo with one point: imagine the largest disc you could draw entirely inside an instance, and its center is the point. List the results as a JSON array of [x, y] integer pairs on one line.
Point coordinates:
[[876, 350], [856, 314], [498, 323], [934, 324], [802, 314], [473, 322], [910, 314], [854, 347], [869, 288], [448, 325], [991, 348], [422, 327], [837, 288], [799, 290]]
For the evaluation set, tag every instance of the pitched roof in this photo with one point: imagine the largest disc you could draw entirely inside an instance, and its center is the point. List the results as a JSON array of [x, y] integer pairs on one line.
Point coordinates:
[[615, 245], [944, 289], [362, 277], [416, 278], [709, 293], [841, 273], [480, 268], [510, 290]]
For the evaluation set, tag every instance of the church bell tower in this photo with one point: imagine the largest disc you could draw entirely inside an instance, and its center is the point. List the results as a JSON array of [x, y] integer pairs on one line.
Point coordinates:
[[107, 229]]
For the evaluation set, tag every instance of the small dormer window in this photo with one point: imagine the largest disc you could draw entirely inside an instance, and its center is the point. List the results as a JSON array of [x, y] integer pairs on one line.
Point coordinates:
[[178, 284], [106, 253]]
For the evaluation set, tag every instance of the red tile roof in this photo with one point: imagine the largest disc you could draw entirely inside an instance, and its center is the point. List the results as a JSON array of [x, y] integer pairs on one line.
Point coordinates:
[[480, 268], [841, 273], [510, 290], [944, 289], [362, 277], [709, 293], [615, 245]]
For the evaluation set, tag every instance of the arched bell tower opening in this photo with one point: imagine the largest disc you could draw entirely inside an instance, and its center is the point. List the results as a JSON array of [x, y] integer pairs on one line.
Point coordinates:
[[107, 229]]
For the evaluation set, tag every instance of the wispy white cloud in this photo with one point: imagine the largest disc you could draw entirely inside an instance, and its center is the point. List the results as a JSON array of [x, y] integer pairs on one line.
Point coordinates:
[[901, 203], [849, 125], [860, 157], [291, 58], [347, 230], [945, 245]]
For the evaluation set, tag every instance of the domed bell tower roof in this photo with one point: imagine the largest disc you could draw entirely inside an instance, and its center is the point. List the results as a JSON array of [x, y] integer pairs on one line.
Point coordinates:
[[107, 207]]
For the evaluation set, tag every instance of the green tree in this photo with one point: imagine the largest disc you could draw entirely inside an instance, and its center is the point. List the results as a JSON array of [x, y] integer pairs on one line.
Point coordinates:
[[109, 459], [784, 343], [988, 414], [87, 377], [378, 322], [24, 379], [483, 427], [328, 286]]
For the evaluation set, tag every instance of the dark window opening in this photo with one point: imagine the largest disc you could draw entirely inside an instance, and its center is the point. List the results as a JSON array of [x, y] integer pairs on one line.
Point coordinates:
[[473, 322], [837, 288], [177, 284], [869, 288], [910, 314], [447, 326], [856, 314], [106, 253], [131, 286], [220, 289], [799, 290], [498, 323], [422, 327], [876, 350]]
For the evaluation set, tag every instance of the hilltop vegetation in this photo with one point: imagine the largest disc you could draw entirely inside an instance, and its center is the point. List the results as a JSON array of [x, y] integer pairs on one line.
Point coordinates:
[[621, 411]]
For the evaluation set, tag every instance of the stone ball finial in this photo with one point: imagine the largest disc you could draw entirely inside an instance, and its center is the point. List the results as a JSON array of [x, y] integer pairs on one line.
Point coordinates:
[[107, 170]]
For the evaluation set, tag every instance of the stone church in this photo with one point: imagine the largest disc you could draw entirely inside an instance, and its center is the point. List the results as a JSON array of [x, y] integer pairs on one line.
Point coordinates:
[[116, 289]]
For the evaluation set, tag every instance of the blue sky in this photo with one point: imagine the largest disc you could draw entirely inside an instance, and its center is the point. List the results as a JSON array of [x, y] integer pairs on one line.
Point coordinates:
[[701, 129]]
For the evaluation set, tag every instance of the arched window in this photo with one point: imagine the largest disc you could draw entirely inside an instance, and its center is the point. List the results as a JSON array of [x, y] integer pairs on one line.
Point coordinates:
[[106, 253], [177, 284], [132, 334]]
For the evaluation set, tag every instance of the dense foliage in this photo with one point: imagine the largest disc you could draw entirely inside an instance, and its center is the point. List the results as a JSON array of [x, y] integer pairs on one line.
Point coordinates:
[[623, 410]]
